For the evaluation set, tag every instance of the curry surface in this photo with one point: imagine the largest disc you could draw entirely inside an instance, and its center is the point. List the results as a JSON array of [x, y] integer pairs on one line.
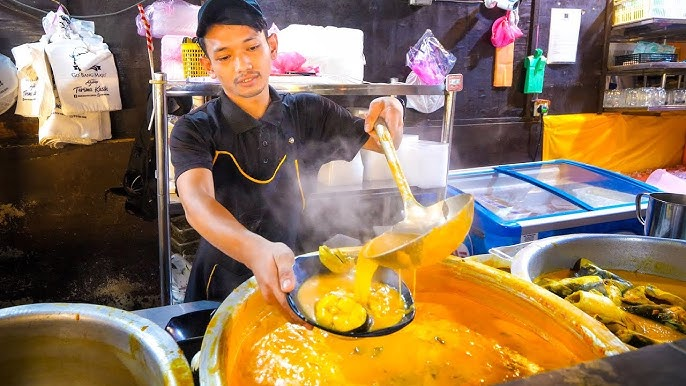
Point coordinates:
[[464, 332]]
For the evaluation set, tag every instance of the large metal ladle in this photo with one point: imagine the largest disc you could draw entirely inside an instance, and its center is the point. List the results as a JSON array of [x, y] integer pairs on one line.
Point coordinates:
[[427, 235]]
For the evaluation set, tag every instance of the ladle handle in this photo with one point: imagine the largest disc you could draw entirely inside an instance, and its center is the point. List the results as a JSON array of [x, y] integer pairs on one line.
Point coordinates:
[[394, 164]]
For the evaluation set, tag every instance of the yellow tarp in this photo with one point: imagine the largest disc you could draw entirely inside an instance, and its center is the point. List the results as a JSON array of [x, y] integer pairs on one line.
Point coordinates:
[[618, 142]]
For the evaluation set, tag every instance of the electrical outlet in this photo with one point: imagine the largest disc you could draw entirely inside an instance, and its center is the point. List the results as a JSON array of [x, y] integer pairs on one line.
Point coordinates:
[[541, 107]]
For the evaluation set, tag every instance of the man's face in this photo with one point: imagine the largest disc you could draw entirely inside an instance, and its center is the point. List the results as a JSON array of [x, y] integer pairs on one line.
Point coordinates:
[[240, 58]]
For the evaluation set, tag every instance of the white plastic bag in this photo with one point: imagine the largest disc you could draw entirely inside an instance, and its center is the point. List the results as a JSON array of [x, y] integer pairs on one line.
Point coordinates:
[[83, 68], [181, 272], [8, 83], [56, 128], [95, 88], [423, 103], [170, 17], [35, 80]]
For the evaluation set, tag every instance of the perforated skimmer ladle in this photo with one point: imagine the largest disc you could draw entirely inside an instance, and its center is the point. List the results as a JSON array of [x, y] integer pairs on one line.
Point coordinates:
[[426, 235]]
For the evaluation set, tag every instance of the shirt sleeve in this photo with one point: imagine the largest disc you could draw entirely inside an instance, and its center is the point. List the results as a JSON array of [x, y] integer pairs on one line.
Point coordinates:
[[190, 149], [327, 130]]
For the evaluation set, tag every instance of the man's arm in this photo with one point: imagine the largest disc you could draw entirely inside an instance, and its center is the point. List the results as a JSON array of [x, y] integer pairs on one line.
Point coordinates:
[[271, 263]]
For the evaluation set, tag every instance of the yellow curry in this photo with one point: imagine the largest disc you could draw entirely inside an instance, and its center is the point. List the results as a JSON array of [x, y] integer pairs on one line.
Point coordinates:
[[466, 331]]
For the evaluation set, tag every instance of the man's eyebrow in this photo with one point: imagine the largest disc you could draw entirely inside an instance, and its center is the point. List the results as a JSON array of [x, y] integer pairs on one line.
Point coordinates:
[[224, 48]]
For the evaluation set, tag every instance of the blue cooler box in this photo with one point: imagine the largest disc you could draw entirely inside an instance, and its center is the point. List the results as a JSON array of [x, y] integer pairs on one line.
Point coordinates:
[[529, 201]]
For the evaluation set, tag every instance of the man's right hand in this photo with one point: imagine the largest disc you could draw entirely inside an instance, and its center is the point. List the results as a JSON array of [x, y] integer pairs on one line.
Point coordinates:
[[272, 265]]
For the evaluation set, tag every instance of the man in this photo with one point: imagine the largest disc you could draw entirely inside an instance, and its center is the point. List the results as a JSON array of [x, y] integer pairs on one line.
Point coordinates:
[[239, 158]]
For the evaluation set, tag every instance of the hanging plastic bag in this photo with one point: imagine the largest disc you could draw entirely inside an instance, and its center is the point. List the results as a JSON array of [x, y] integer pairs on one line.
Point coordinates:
[[503, 34], [423, 103], [430, 63], [170, 17], [83, 67], [8, 83], [429, 60], [504, 30], [35, 80]]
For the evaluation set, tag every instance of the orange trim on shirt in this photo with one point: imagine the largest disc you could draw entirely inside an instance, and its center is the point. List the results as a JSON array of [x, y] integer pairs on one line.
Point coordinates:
[[255, 180], [246, 175]]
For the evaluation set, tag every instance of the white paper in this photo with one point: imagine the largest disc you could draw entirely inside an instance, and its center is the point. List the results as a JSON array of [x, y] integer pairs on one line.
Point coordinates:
[[564, 35]]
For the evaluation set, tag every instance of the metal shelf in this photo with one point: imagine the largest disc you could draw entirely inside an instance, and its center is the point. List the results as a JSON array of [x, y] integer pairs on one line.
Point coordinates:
[[162, 89], [649, 29], [647, 109], [654, 28], [652, 68], [213, 89]]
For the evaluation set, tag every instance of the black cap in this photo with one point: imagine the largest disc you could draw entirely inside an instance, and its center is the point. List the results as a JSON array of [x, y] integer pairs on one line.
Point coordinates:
[[235, 12]]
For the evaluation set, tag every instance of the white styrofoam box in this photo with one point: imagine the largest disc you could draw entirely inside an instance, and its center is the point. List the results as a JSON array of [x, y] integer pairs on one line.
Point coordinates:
[[170, 55], [341, 172], [336, 51], [343, 69]]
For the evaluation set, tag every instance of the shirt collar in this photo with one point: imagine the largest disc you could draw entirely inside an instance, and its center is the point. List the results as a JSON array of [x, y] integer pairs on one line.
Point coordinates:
[[239, 121]]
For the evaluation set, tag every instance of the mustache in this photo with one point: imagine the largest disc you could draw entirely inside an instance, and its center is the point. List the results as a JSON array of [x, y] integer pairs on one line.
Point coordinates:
[[249, 74]]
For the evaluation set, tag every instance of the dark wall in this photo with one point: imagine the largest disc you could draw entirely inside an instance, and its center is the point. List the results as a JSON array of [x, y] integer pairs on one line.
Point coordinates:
[[60, 240]]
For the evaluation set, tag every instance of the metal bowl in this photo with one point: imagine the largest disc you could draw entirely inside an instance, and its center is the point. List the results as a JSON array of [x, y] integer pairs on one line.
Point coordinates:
[[86, 344], [643, 254]]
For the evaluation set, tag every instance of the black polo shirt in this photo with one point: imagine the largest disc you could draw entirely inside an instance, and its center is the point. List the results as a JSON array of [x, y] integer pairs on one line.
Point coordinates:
[[252, 179]]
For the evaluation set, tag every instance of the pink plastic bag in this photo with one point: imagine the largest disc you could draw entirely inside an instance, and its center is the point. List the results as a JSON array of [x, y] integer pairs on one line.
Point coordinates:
[[504, 32], [429, 59], [291, 62]]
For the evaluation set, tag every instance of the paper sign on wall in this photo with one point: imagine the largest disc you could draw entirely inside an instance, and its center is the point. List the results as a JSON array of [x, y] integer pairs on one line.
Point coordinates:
[[564, 35]]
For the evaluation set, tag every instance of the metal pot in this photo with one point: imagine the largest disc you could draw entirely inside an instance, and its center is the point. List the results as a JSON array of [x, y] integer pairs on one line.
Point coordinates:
[[86, 344], [643, 254], [229, 325]]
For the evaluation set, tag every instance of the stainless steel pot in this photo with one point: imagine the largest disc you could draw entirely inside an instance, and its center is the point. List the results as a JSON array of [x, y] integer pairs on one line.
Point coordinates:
[[650, 255], [86, 344]]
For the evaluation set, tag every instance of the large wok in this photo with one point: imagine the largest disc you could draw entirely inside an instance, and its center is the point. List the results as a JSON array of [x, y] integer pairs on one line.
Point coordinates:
[[553, 317]]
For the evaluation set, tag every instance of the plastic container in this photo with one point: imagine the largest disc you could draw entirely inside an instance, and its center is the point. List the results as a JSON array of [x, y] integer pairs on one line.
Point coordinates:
[[375, 164], [629, 11], [623, 60], [426, 164], [190, 56], [339, 172]]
